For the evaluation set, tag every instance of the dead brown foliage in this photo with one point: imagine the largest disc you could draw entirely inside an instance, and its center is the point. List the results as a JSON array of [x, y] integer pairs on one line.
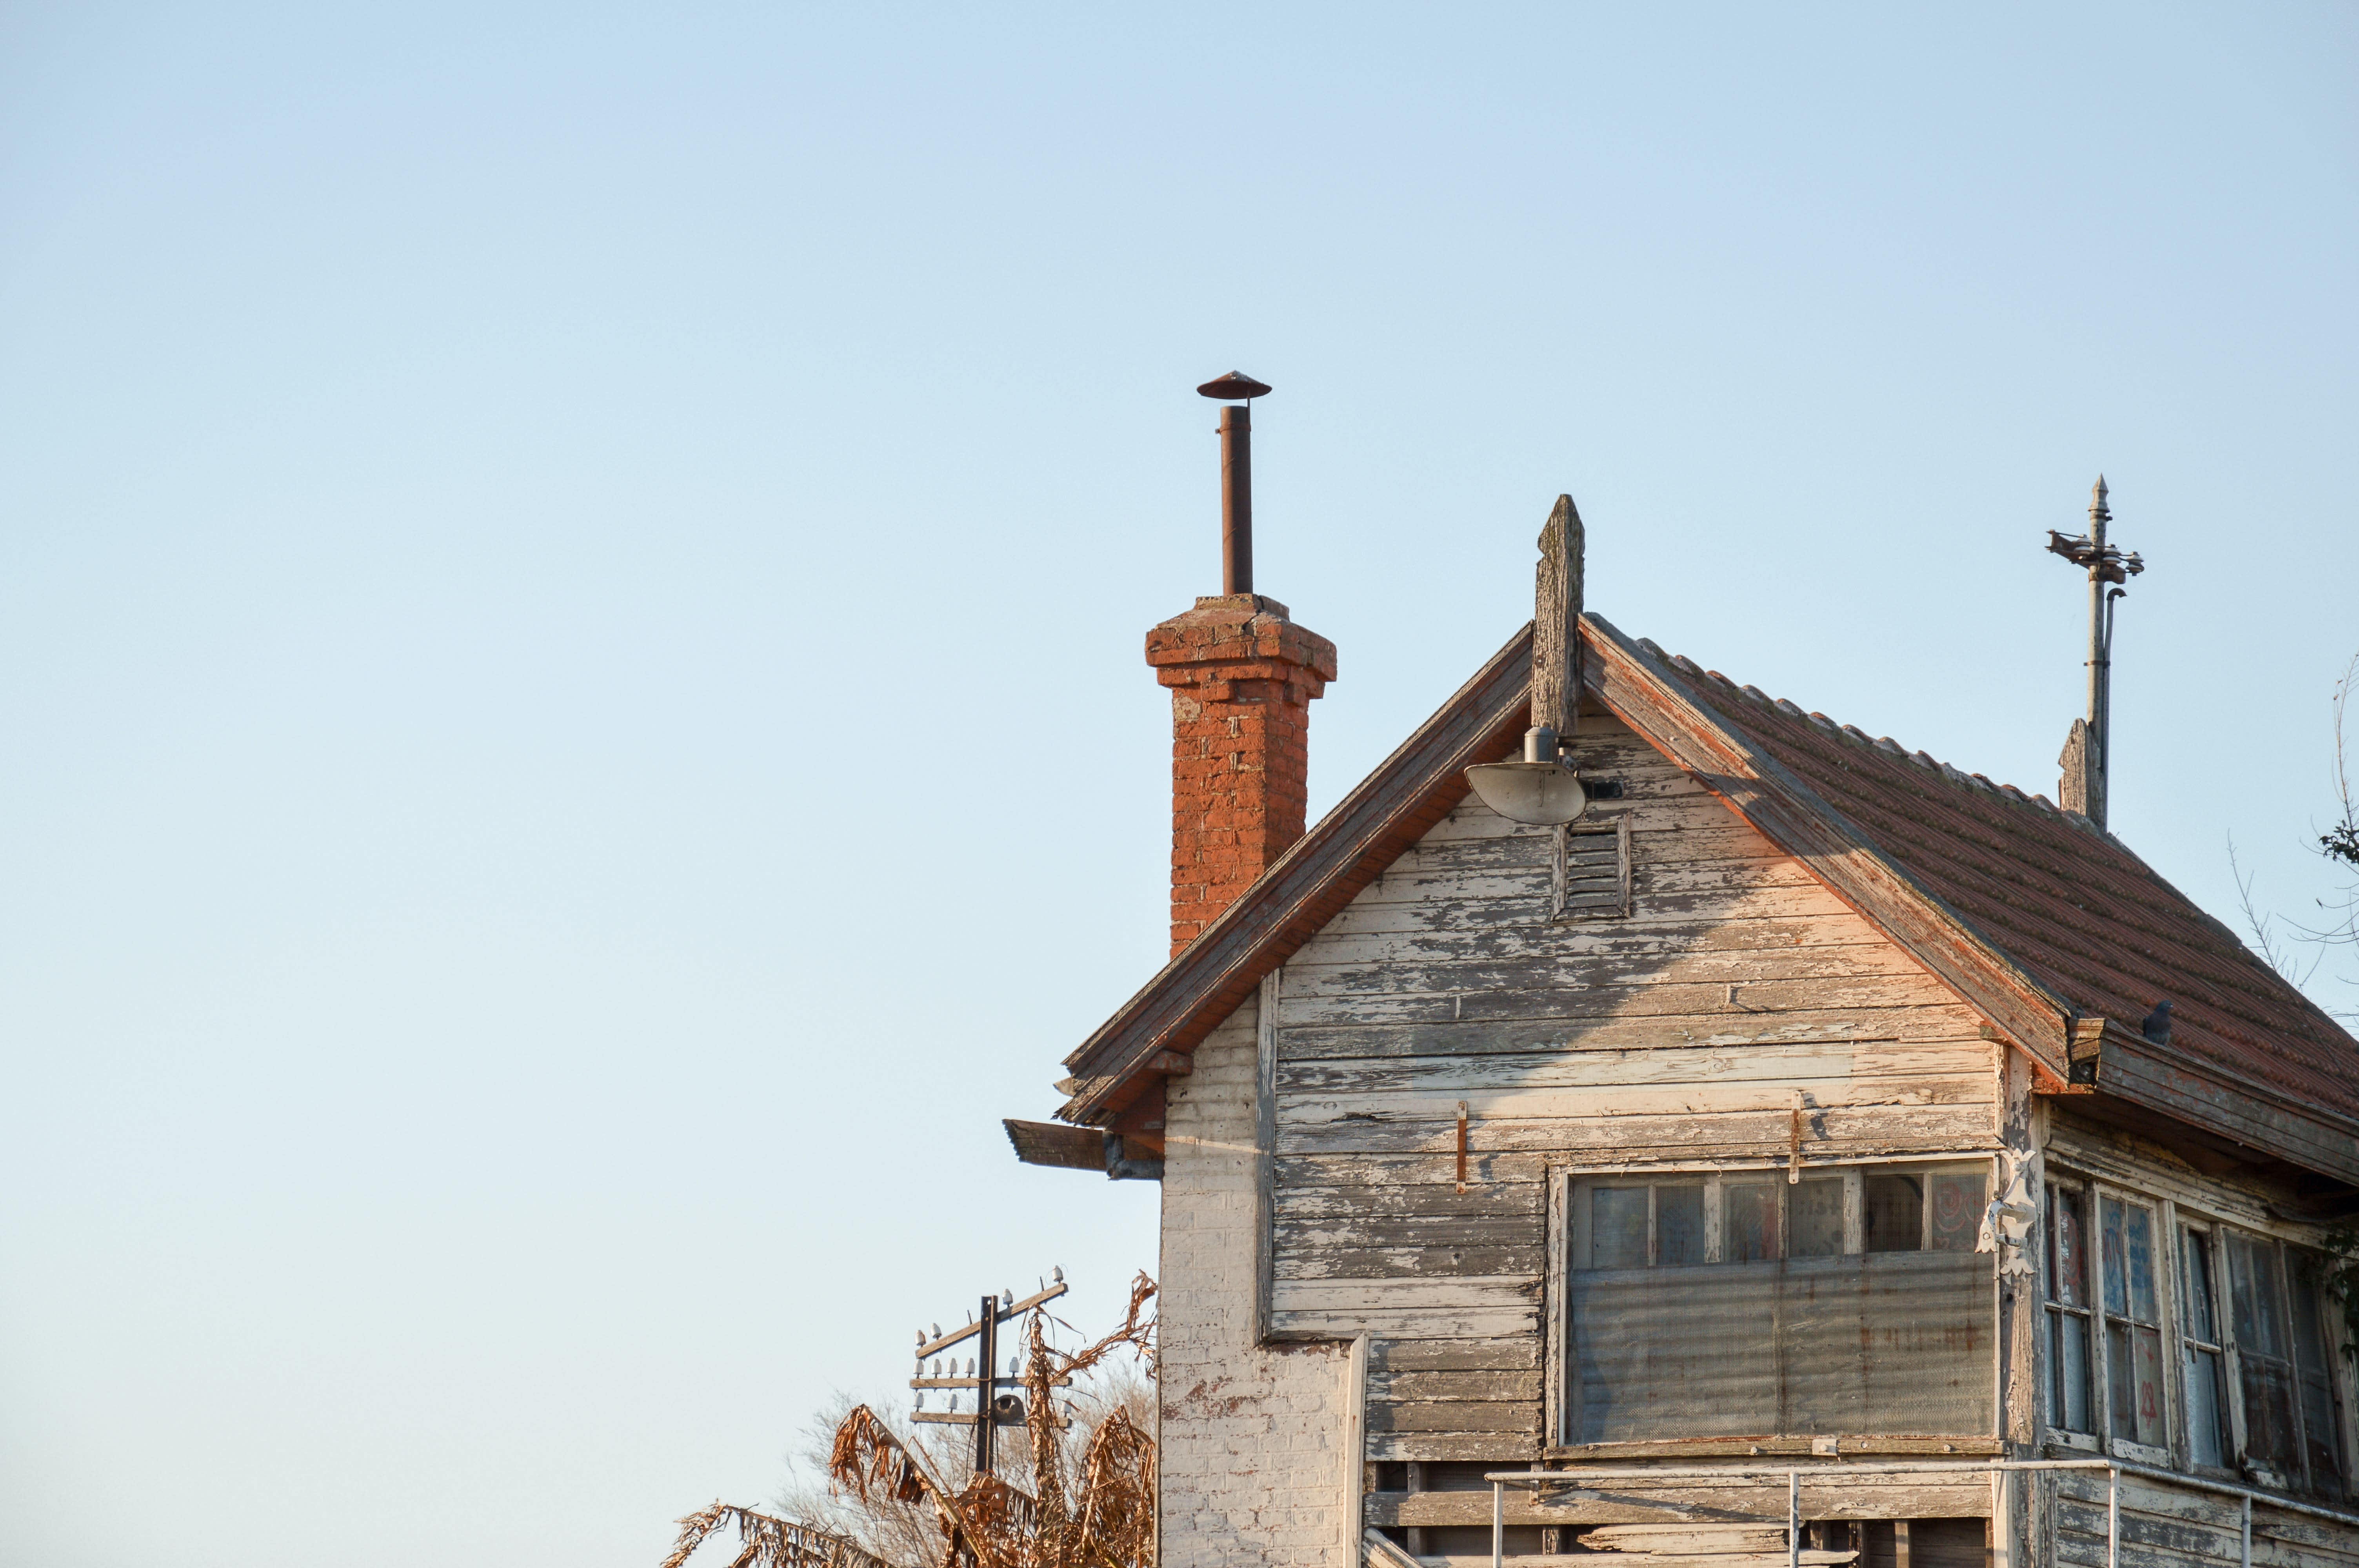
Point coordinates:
[[765, 1541], [1104, 1518], [912, 1501]]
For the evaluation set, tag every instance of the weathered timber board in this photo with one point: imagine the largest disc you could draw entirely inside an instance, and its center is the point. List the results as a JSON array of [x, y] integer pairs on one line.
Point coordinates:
[[1402, 1261], [1729, 940], [1757, 998], [1519, 1352], [1572, 967], [1839, 1132], [1473, 1038], [1456, 1386], [1338, 1210], [1780, 1061], [1503, 1168], [1444, 1447], [1689, 1502], [1657, 906], [1444, 1415], [1286, 1322], [1298, 1113]]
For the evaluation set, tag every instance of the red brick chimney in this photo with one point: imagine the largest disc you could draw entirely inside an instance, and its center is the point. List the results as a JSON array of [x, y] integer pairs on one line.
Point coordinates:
[[1242, 678]]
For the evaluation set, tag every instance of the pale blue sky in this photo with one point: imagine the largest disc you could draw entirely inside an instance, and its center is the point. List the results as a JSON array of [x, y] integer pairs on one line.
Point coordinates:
[[573, 576]]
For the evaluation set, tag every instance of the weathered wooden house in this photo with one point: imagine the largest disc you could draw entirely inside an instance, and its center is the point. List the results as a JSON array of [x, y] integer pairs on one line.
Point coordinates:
[[1794, 1135]]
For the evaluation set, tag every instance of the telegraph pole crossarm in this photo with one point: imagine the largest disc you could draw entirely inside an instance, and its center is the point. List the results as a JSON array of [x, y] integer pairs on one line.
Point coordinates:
[[2087, 755]]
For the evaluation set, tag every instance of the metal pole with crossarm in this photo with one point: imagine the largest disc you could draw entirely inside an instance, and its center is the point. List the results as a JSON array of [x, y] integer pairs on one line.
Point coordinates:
[[2089, 755]]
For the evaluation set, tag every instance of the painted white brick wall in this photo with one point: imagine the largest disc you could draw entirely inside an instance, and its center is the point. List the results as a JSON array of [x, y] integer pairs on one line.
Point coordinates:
[[1254, 1439]]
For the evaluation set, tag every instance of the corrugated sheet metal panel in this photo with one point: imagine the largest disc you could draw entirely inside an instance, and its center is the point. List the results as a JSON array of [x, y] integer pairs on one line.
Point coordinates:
[[1891, 1343], [2075, 908]]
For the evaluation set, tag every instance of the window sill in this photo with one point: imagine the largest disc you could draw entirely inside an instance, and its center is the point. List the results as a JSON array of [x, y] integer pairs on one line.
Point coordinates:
[[2076, 1442], [2159, 1457], [1779, 1447]]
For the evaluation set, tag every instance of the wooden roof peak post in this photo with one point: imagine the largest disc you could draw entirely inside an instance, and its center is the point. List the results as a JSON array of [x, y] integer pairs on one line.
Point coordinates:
[[1543, 788], [1556, 631]]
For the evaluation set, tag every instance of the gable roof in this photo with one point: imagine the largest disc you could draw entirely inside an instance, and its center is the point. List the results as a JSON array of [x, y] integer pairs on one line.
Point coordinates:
[[2050, 927]]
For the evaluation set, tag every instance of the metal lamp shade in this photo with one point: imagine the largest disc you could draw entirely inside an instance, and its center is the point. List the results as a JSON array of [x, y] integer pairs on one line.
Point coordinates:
[[1543, 795]]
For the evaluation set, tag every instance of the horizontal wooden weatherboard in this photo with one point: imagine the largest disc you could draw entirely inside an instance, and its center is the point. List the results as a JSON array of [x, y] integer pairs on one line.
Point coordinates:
[[1801, 1065], [1456, 1386], [1474, 1037], [1642, 1502], [1836, 1131]]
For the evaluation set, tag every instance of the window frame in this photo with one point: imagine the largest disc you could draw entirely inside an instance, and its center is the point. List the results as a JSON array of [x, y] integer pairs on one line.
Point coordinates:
[[1568, 1235], [2173, 1224]]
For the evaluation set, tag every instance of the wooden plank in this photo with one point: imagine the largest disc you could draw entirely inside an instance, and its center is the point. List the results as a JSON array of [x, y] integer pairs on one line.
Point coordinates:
[[1441, 1260], [1493, 1168], [1329, 1322], [1678, 1098], [1686, 1000], [1776, 1061], [1837, 1133], [1625, 1557], [1546, 969], [1655, 906], [1686, 1503], [1465, 1293], [1682, 1540], [1490, 1206], [1488, 1448], [1451, 1415], [1457, 1386], [1468, 1038], [1516, 1352]]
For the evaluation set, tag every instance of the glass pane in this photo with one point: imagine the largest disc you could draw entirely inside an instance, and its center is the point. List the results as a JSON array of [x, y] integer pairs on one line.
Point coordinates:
[[1748, 1231], [2109, 1223], [1617, 1227], [2321, 1447], [2322, 1440], [2206, 1434], [1957, 1205], [2069, 1402], [2146, 1345], [1817, 1219], [1679, 1224], [2254, 1297], [2067, 1268], [2137, 1241], [2195, 1274], [1896, 1213], [2121, 1379], [2269, 1413], [2308, 1339]]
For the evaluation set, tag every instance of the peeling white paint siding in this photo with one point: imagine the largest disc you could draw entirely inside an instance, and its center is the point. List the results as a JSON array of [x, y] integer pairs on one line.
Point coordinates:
[[1255, 1467]]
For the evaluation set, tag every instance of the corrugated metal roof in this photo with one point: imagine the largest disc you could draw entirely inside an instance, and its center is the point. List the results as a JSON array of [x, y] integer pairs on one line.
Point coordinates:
[[2069, 904]]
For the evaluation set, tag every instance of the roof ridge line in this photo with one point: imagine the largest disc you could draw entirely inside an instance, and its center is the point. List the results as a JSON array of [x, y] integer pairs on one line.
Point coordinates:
[[1978, 782]]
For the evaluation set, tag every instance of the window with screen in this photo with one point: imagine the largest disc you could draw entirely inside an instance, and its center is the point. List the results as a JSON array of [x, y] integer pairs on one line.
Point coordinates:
[[1728, 1305], [2252, 1384]]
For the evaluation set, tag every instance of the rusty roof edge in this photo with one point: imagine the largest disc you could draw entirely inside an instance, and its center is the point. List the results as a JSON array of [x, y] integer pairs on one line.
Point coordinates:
[[1228, 953], [2117, 1039], [2117, 1033], [2020, 1005]]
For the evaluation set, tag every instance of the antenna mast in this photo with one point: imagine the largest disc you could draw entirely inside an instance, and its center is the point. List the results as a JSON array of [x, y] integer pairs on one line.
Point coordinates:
[[2088, 751]]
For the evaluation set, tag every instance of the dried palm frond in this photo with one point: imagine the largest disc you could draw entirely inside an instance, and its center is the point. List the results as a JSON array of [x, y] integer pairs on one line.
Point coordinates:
[[767, 1541], [1094, 1509]]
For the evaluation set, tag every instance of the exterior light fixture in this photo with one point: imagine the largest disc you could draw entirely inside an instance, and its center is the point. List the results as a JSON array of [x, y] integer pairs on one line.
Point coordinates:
[[1543, 790]]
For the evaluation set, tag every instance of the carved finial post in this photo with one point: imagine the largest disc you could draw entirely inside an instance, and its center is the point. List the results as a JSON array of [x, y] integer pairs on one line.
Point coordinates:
[[1556, 622]]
